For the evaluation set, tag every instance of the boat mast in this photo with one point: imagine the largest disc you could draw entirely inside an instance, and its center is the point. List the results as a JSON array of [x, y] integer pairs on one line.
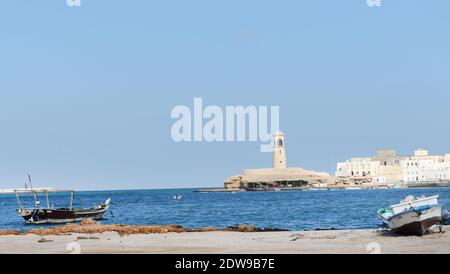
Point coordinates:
[[36, 201], [18, 200], [46, 197], [71, 200]]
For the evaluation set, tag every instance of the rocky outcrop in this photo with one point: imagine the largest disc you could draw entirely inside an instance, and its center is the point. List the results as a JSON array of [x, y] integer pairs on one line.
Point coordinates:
[[281, 177]]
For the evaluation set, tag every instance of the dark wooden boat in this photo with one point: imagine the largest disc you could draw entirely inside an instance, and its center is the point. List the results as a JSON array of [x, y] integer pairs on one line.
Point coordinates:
[[49, 215]]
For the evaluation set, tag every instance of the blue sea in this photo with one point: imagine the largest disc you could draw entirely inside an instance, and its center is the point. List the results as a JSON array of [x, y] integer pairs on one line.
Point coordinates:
[[307, 210]]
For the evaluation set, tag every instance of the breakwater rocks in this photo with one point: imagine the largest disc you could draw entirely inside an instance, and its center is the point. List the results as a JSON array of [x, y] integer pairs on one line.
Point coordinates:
[[93, 227]]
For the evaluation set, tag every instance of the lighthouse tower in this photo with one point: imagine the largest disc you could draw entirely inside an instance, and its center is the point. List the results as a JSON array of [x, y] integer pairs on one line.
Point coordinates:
[[279, 153]]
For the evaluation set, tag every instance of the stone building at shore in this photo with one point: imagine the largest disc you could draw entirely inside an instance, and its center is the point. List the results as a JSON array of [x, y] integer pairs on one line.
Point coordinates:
[[280, 176], [387, 167]]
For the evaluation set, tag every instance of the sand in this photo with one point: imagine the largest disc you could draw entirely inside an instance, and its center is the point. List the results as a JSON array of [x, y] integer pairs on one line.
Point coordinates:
[[225, 242]]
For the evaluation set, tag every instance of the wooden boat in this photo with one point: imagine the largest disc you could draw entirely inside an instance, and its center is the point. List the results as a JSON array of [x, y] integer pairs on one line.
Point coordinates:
[[49, 215], [412, 216]]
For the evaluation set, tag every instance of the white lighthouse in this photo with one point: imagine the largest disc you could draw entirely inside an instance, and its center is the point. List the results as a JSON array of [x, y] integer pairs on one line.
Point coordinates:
[[279, 152]]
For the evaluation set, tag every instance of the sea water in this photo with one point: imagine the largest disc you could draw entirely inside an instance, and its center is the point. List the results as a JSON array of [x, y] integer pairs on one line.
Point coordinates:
[[302, 210]]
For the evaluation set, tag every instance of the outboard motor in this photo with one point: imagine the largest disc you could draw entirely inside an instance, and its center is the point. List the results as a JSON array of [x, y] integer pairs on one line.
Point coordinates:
[[34, 216]]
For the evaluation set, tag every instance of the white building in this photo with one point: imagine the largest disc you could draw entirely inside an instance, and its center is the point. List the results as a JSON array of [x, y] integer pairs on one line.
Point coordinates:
[[387, 167], [423, 167], [358, 167], [384, 167]]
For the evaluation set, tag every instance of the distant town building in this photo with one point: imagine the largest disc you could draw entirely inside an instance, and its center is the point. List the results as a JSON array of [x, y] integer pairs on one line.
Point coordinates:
[[387, 167], [426, 168], [384, 167]]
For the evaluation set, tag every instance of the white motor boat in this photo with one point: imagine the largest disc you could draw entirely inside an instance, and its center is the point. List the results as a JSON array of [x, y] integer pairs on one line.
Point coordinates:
[[413, 216]]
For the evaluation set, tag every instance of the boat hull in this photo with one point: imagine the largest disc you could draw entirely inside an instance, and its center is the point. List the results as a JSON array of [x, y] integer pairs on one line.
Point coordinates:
[[415, 221], [417, 228], [60, 216]]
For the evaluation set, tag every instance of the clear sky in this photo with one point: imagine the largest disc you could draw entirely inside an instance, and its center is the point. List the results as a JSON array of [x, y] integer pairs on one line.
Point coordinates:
[[86, 93]]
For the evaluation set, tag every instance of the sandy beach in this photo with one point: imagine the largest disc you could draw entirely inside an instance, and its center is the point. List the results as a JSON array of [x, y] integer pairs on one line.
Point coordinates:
[[223, 242]]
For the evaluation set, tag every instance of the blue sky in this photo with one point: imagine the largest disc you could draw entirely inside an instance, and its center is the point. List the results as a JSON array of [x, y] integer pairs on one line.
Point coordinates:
[[86, 93]]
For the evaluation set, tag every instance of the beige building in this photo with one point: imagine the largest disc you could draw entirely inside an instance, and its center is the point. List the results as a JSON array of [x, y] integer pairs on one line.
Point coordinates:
[[384, 167], [279, 176]]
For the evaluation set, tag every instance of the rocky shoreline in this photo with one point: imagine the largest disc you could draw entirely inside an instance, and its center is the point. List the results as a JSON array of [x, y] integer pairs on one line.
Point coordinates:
[[93, 227]]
